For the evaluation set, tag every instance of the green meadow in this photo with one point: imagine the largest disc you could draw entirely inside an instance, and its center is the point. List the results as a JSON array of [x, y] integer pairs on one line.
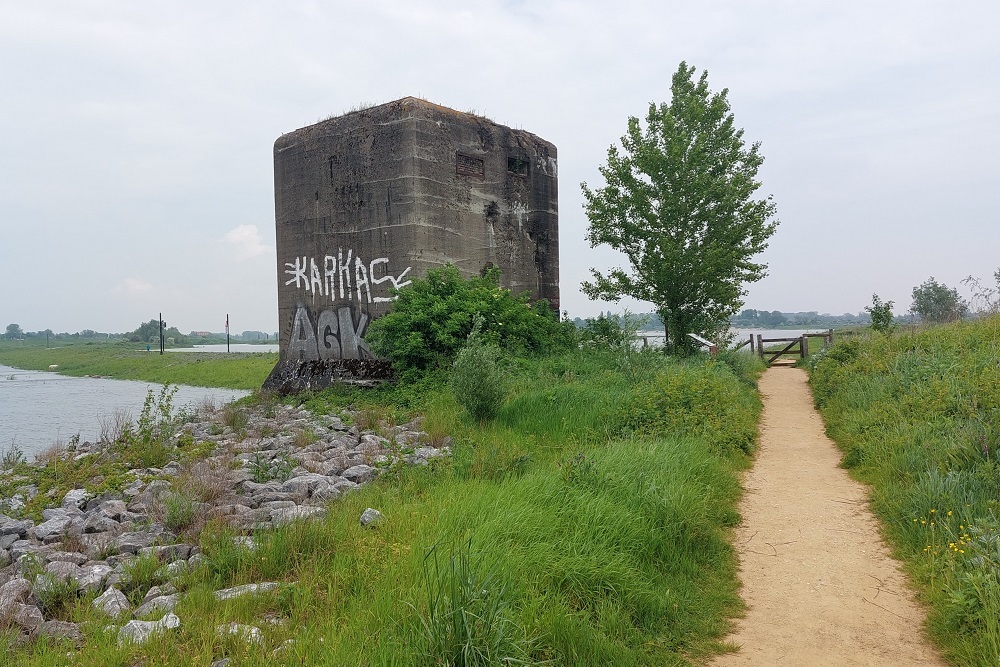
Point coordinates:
[[588, 523], [131, 361]]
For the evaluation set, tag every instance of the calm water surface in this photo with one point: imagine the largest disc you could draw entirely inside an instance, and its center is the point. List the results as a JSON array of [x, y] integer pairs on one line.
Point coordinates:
[[234, 347], [39, 409]]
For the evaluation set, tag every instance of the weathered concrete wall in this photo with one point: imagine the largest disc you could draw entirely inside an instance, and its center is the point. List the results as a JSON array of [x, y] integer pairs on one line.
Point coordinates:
[[374, 198]]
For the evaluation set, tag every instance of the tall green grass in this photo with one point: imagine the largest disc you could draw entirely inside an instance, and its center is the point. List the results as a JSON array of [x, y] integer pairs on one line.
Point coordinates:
[[568, 531], [918, 417]]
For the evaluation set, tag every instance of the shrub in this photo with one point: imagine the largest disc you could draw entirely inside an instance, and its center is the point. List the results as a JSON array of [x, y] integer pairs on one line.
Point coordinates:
[[431, 319], [611, 332], [477, 380], [881, 314], [686, 399]]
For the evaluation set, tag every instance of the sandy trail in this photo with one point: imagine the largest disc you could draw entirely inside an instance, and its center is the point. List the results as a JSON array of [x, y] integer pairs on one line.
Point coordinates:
[[820, 584]]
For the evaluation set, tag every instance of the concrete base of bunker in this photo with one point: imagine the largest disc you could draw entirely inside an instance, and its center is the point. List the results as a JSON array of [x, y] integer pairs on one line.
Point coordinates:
[[292, 377]]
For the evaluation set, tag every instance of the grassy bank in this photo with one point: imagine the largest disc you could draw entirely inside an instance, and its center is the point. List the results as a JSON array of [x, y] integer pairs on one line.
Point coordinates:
[[588, 524], [130, 361], [918, 417]]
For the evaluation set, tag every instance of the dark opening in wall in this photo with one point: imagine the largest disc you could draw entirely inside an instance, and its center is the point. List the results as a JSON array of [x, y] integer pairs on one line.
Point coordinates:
[[517, 165], [466, 165]]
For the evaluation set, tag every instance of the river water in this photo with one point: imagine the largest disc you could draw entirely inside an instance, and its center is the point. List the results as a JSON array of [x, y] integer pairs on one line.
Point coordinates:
[[233, 348], [39, 409]]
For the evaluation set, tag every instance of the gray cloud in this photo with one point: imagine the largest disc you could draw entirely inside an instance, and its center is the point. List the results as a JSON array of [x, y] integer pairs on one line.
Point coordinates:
[[137, 136]]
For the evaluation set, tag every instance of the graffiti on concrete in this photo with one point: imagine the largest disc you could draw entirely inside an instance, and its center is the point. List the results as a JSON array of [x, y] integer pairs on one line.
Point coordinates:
[[344, 277], [331, 335]]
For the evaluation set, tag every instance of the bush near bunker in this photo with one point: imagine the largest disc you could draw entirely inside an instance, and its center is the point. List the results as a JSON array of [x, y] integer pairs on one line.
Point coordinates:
[[477, 380], [432, 318]]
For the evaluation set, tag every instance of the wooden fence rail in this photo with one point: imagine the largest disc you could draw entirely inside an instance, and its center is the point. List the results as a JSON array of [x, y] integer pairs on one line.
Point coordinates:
[[802, 342]]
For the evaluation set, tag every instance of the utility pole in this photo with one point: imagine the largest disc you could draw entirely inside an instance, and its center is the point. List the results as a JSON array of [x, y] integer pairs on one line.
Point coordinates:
[[227, 333], [161, 333]]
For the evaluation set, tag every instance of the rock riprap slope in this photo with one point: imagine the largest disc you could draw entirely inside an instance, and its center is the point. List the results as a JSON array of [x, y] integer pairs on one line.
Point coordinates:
[[281, 465]]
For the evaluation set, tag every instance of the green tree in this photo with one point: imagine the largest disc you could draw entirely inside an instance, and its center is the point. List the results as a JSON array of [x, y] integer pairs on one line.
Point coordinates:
[[14, 331], [149, 332], [881, 314], [936, 302], [679, 202]]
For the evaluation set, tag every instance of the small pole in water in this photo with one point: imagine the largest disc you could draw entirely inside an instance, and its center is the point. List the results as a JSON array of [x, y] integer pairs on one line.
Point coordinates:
[[227, 333]]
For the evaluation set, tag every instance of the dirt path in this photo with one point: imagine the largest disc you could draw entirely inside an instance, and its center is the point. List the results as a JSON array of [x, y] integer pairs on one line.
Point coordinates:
[[820, 584]]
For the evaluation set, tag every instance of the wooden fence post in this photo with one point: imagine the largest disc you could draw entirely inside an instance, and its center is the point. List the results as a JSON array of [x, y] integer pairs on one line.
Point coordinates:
[[760, 345], [804, 350]]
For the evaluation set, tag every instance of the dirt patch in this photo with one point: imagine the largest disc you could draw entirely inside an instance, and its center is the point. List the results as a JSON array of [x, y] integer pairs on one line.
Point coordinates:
[[819, 582]]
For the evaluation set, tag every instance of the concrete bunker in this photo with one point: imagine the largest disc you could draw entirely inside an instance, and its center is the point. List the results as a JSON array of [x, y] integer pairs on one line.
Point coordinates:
[[367, 201]]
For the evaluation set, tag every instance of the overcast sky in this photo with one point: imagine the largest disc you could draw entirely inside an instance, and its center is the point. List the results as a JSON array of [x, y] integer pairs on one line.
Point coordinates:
[[136, 167]]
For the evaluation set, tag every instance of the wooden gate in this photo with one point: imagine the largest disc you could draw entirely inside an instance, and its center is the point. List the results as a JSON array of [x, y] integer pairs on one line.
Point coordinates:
[[775, 353]]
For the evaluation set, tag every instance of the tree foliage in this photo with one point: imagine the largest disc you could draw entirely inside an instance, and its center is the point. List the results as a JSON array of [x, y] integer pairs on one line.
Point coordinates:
[[14, 331], [432, 317], [611, 332], [936, 302], [679, 202], [881, 314], [149, 332]]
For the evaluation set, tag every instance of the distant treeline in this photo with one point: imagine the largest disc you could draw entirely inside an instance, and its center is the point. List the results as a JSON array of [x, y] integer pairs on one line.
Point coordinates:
[[764, 319], [148, 332]]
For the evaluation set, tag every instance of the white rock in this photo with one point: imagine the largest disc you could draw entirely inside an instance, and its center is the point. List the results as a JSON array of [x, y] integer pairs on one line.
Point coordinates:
[[249, 633], [75, 499], [370, 517], [359, 473], [158, 604], [237, 591], [13, 593], [281, 516], [138, 632], [112, 602]]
